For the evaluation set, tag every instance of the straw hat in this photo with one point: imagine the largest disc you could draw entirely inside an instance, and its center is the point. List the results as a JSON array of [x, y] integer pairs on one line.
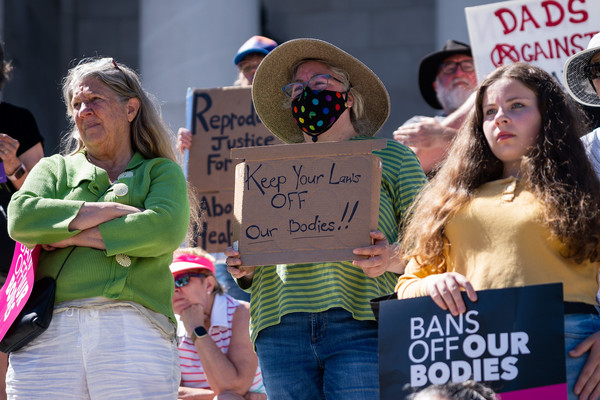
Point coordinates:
[[275, 71], [576, 81]]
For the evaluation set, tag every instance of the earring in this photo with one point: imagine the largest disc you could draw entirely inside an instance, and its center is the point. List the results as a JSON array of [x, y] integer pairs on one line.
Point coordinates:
[[208, 292]]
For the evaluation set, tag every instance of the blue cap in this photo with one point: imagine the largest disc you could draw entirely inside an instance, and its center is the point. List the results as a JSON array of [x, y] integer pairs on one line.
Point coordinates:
[[256, 44]]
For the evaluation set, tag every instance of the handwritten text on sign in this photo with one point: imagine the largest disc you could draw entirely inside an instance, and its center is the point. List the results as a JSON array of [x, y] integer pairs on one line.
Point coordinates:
[[221, 119], [291, 192], [301, 208], [216, 213]]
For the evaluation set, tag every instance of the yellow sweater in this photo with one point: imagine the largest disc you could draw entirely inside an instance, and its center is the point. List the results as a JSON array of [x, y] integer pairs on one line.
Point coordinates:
[[497, 241]]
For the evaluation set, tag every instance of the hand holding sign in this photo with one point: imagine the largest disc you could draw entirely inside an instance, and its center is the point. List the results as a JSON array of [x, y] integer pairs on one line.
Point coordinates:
[[380, 256], [235, 267], [445, 291]]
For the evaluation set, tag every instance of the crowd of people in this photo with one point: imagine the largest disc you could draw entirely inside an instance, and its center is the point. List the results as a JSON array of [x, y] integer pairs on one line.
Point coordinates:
[[501, 190]]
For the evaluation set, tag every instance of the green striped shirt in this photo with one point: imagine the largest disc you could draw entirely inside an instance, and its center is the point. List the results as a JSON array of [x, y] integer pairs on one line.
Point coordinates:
[[278, 290]]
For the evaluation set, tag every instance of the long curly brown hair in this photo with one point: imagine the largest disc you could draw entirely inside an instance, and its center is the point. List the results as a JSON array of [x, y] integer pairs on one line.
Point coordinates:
[[556, 170]]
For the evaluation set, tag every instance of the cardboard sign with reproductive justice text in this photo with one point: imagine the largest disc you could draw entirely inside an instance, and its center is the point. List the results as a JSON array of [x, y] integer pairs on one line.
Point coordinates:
[[311, 202], [219, 119]]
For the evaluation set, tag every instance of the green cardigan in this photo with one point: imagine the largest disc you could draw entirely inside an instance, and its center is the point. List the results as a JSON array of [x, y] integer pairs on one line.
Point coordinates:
[[55, 190]]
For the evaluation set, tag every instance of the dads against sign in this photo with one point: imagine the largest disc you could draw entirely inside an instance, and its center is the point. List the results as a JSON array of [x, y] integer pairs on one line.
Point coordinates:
[[311, 202], [541, 32], [220, 119], [511, 339]]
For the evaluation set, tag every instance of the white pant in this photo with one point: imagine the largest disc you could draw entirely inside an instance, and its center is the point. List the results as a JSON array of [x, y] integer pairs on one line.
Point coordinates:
[[107, 353]]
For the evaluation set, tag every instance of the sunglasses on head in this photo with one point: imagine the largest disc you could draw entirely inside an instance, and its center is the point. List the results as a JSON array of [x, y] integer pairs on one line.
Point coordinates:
[[183, 280]]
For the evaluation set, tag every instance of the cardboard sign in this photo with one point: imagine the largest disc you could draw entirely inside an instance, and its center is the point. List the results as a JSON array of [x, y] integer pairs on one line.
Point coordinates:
[[540, 32], [220, 119], [510, 339], [311, 202], [18, 285], [217, 221]]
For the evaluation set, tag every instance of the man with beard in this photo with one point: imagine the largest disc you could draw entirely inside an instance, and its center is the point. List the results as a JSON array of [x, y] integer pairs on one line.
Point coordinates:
[[446, 79]]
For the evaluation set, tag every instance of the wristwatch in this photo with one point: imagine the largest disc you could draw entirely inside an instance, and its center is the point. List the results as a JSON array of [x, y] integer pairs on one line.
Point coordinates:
[[18, 173], [198, 333]]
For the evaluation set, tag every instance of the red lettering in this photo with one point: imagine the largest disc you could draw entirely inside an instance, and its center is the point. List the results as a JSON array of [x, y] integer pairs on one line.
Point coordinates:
[[539, 50], [549, 20], [525, 57], [500, 13], [584, 14], [564, 46], [526, 17], [550, 48], [574, 44]]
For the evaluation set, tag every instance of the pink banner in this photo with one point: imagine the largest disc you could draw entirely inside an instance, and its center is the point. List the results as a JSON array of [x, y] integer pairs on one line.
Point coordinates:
[[18, 285], [551, 392]]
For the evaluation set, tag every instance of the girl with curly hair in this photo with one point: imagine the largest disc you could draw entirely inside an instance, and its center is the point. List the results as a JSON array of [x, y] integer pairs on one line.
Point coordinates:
[[515, 203]]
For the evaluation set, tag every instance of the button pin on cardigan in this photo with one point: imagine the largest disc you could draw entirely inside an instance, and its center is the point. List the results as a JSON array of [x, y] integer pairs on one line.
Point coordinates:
[[123, 260], [121, 189]]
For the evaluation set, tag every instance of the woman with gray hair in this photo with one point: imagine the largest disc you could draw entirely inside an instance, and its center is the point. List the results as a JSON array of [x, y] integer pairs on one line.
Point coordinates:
[[110, 213]]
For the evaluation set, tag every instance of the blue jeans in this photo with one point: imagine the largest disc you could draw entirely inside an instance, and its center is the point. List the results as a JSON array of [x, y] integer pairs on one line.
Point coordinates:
[[320, 355], [577, 328]]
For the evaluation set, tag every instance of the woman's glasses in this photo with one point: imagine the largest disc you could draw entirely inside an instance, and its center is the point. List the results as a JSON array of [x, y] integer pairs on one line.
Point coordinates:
[[183, 280], [592, 71], [316, 84]]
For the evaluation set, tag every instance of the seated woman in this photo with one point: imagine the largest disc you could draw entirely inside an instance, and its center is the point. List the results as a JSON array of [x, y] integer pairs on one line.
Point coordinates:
[[225, 367]]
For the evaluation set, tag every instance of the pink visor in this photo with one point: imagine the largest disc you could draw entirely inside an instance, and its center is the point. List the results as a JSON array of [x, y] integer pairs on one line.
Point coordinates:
[[187, 262]]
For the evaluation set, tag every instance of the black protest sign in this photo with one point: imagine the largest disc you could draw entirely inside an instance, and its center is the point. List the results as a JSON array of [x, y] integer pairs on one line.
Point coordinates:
[[310, 202], [510, 339], [220, 119]]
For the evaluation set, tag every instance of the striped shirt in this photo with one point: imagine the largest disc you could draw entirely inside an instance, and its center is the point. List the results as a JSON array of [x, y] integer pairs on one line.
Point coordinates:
[[192, 373], [281, 289]]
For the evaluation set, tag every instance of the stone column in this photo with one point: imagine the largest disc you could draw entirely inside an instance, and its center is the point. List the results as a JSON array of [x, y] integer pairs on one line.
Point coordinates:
[[191, 43]]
